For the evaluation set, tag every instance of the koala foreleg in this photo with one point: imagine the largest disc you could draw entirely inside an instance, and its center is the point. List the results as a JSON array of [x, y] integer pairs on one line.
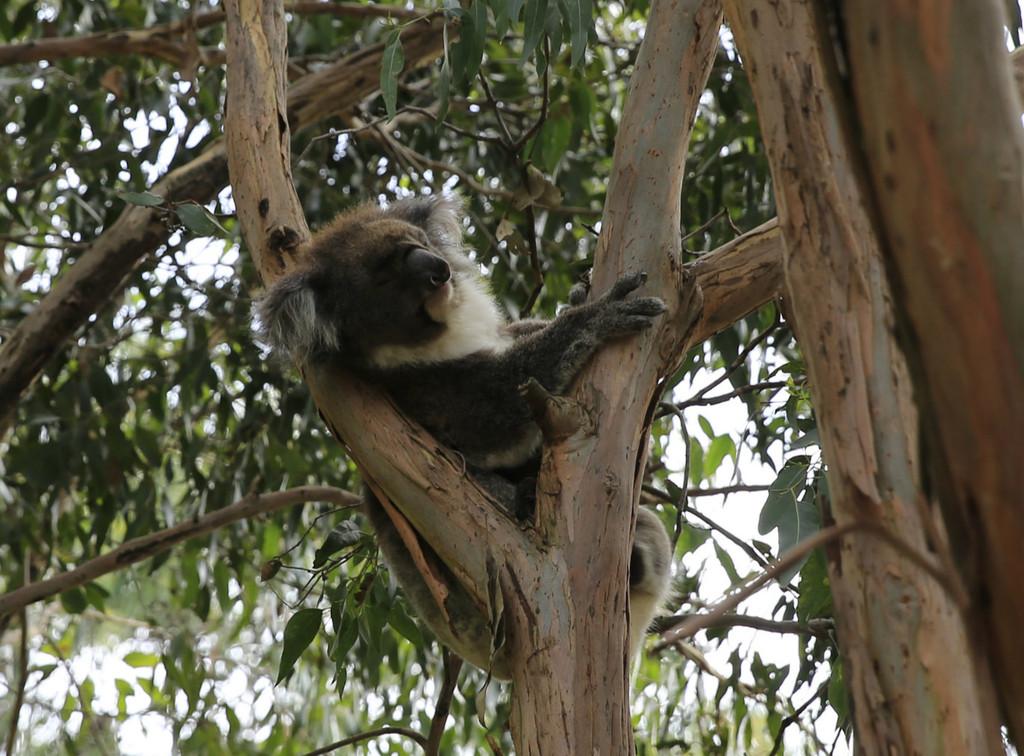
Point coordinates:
[[555, 355]]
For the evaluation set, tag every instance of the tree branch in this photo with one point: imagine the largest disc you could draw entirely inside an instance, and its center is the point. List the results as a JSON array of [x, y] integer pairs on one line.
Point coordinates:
[[822, 628], [360, 737], [738, 277], [709, 491], [589, 483], [150, 545], [19, 696], [160, 41], [793, 557]]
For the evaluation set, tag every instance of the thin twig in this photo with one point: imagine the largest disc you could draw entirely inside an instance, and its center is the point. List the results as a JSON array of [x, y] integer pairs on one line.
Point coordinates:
[[678, 412], [704, 226], [691, 652], [793, 557], [729, 603], [750, 388], [452, 667], [545, 97], [19, 696], [740, 359], [509, 142], [709, 491], [538, 274], [795, 717], [24, 241], [475, 135], [404, 731], [822, 628], [749, 550]]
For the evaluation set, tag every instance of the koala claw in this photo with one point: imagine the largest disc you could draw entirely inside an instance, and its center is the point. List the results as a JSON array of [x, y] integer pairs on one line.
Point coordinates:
[[626, 284]]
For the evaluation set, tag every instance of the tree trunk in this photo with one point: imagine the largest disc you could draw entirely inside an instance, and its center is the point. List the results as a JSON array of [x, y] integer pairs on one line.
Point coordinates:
[[904, 647], [946, 159], [571, 682]]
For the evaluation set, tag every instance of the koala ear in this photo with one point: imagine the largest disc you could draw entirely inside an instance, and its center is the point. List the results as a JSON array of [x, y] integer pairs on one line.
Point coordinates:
[[439, 215], [289, 321]]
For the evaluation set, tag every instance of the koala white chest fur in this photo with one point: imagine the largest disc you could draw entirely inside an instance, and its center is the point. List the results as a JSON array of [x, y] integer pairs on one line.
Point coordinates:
[[390, 293], [473, 323]]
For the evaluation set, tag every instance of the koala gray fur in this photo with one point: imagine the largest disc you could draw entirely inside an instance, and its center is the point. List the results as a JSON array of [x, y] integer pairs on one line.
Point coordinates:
[[391, 294]]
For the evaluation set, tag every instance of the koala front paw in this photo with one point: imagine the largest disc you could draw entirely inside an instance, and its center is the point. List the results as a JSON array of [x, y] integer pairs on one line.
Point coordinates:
[[619, 316], [632, 316]]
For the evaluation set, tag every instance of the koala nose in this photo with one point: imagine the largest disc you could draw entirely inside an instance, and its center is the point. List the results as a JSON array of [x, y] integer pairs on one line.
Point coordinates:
[[428, 268]]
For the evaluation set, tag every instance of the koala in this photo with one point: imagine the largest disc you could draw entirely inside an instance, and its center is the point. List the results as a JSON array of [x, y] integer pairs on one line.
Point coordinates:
[[392, 295]]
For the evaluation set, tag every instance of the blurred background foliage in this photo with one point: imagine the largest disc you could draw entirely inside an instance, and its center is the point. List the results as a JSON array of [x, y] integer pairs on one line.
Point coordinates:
[[164, 407]]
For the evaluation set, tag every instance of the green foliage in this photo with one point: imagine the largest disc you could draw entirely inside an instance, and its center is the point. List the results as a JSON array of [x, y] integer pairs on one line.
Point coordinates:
[[790, 508], [163, 407]]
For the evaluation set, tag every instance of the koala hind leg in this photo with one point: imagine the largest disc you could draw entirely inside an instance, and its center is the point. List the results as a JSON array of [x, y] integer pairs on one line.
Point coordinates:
[[649, 575], [465, 629]]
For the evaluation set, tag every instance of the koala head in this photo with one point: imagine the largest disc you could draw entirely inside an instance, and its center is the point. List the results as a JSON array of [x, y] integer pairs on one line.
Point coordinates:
[[374, 279]]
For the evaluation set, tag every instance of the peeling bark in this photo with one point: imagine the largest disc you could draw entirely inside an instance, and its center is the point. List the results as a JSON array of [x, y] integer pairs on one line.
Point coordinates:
[[909, 668], [946, 160]]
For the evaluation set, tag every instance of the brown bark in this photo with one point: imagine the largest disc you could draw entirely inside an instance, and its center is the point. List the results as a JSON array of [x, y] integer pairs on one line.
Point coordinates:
[[904, 646], [101, 270], [946, 159], [737, 278], [171, 41]]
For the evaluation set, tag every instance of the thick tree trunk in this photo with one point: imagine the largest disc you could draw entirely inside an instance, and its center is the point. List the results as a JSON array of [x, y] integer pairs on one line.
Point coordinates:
[[904, 647], [571, 682], [946, 159]]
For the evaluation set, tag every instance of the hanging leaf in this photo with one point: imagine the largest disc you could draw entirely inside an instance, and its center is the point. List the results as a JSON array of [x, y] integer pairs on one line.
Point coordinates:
[[347, 533], [579, 16], [513, 8], [444, 83], [145, 199], [199, 220], [298, 634], [468, 52], [500, 10], [534, 20], [796, 516], [391, 66]]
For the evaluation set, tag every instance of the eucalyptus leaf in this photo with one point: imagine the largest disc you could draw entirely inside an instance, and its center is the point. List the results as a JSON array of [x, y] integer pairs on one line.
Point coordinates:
[[536, 13], [391, 65], [298, 634], [579, 17], [146, 199], [199, 220]]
